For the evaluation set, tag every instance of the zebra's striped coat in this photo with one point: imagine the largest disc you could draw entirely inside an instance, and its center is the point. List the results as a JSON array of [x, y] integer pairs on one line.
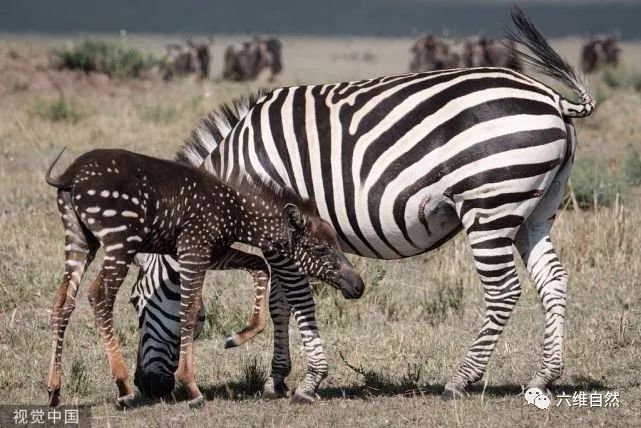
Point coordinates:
[[398, 165]]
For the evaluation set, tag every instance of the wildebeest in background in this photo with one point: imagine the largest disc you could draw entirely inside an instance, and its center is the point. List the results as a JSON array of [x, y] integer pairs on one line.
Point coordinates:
[[245, 61], [432, 53], [183, 60], [600, 51], [484, 52]]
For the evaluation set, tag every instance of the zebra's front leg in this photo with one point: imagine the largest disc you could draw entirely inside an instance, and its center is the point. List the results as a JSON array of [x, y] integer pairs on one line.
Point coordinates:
[[279, 310], [494, 261], [301, 300], [550, 278]]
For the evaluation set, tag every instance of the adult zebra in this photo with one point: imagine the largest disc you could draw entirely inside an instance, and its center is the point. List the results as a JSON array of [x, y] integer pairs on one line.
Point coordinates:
[[399, 165]]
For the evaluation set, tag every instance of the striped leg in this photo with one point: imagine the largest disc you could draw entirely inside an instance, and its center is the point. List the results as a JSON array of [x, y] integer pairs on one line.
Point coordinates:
[[279, 309], [545, 269], [193, 267], [298, 295], [494, 261], [80, 250], [102, 295]]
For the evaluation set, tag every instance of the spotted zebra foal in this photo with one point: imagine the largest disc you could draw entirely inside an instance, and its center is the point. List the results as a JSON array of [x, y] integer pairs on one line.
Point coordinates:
[[130, 203]]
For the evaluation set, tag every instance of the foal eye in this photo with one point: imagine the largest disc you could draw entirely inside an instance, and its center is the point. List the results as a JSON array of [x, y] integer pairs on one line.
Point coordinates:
[[320, 251]]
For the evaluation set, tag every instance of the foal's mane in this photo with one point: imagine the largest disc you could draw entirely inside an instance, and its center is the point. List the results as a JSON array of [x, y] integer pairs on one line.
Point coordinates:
[[272, 193]]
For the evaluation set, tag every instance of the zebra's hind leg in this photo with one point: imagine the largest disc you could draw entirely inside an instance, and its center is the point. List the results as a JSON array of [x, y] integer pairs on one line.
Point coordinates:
[[80, 249], [494, 261], [550, 278]]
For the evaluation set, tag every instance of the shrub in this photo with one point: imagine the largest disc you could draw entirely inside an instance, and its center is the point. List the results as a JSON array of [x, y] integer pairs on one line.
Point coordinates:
[[57, 110], [631, 168], [110, 58], [593, 184], [621, 77]]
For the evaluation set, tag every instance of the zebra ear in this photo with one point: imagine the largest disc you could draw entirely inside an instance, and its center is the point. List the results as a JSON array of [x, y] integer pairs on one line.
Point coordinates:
[[294, 219]]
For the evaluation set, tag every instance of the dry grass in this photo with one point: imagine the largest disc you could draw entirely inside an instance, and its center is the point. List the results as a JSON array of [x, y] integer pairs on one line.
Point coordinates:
[[403, 339]]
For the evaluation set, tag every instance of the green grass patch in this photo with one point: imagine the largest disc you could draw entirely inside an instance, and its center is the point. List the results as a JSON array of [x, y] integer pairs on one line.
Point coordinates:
[[158, 114], [631, 168], [111, 58], [620, 77], [57, 110], [594, 185]]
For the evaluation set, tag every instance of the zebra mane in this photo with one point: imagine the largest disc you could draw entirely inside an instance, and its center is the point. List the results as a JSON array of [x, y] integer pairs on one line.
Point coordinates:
[[272, 193], [213, 129]]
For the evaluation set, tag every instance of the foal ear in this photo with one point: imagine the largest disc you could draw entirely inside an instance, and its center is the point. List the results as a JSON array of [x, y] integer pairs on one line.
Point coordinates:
[[294, 219]]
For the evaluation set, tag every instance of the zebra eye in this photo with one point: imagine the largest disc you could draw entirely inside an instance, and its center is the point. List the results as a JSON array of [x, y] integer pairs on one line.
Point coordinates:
[[320, 251]]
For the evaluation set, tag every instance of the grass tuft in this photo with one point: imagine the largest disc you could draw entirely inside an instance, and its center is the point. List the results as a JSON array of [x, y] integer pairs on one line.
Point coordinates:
[[448, 300], [78, 383]]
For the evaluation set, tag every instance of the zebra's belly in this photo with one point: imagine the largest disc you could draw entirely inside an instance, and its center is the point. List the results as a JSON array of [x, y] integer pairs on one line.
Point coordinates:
[[428, 224]]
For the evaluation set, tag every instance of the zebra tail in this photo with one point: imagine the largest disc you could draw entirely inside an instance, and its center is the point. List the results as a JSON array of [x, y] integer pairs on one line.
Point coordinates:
[[57, 182], [213, 129], [545, 60]]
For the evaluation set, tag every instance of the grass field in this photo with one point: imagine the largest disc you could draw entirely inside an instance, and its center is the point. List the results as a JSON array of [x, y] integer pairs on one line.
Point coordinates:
[[408, 333]]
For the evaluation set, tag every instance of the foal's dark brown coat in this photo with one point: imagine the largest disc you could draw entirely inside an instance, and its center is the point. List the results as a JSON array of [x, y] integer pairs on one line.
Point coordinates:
[[130, 203]]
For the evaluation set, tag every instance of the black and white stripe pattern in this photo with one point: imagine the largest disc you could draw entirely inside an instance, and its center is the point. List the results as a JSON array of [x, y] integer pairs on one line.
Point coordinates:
[[399, 165]]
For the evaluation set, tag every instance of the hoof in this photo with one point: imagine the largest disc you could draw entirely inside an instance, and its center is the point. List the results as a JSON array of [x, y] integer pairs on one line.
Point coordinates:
[[54, 398], [453, 394], [302, 397], [230, 342], [126, 402], [196, 403], [273, 391]]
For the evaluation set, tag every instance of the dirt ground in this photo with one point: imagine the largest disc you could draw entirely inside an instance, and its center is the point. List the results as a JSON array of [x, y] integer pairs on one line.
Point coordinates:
[[408, 333]]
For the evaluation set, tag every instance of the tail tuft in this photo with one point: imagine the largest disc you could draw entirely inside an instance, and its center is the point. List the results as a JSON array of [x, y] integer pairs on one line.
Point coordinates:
[[546, 61]]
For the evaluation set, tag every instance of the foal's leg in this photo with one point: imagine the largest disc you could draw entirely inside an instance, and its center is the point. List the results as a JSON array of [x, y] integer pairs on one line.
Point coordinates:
[[102, 295], [194, 261], [256, 266], [80, 249]]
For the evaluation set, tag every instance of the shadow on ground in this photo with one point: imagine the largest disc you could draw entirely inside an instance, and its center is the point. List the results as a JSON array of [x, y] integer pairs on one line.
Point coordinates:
[[236, 391]]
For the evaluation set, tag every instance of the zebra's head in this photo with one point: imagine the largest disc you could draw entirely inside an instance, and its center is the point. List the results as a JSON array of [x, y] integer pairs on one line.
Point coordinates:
[[156, 297], [314, 247]]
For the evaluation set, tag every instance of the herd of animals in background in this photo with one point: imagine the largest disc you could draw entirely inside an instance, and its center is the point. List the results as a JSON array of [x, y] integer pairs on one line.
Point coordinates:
[[245, 61], [431, 53], [242, 62]]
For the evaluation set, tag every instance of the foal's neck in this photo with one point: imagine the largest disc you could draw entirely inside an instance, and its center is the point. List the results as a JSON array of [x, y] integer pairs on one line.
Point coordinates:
[[261, 222]]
